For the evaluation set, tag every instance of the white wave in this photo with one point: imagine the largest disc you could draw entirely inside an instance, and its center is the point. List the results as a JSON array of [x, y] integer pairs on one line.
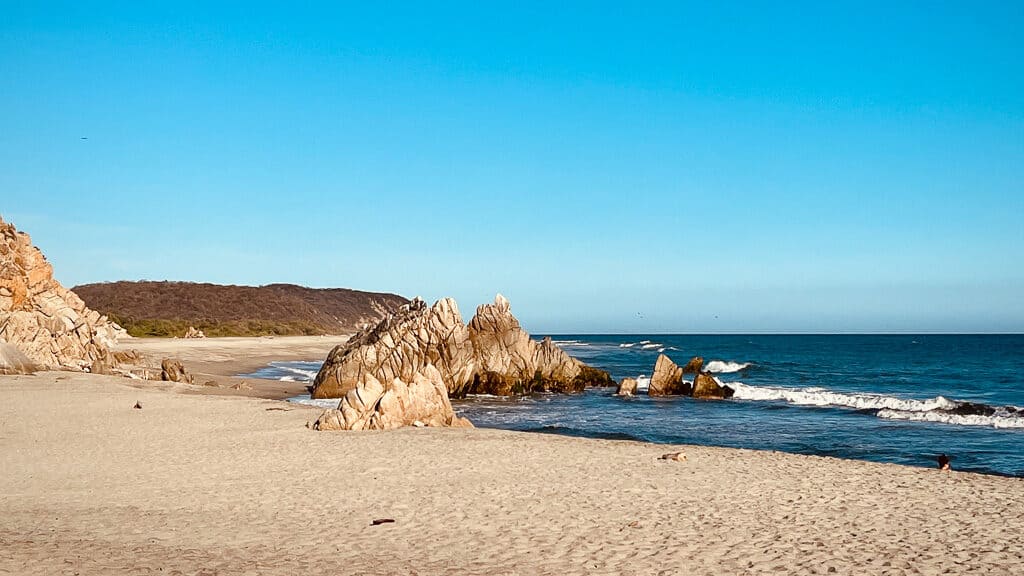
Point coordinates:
[[661, 349], [306, 375], [645, 342], [996, 420], [822, 397], [643, 383], [629, 345], [570, 343], [725, 367], [326, 403], [649, 346]]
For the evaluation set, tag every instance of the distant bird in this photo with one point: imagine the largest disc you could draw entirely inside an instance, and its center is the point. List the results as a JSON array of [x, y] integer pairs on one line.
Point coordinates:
[[83, 138]]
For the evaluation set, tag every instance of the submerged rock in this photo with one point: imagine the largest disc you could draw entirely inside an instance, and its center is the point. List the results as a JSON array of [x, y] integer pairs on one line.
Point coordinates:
[[47, 322], [667, 379]]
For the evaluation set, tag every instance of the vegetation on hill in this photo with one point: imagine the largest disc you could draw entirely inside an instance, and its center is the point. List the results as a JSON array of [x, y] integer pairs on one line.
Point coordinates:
[[168, 308]]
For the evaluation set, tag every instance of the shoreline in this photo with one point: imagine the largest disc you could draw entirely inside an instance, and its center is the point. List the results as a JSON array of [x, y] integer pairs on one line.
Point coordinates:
[[239, 485]]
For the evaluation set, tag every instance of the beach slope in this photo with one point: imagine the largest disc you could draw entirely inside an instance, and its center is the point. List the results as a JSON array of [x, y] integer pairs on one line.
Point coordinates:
[[193, 484]]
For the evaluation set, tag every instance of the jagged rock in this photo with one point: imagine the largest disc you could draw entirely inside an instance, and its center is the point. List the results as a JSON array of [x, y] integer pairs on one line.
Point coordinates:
[[627, 387], [373, 406], [193, 333], [706, 386], [694, 366], [13, 361], [400, 346], [509, 362], [391, 375], [44, 320], [172, 370], [667, 379]]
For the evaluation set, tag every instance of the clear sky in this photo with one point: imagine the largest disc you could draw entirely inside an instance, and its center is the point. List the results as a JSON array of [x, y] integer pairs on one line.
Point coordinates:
[[675, 167]]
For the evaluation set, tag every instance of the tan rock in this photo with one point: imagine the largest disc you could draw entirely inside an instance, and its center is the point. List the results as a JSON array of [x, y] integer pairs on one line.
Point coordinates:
[[193, 333], [399, 347], [47, 322], [667, 379], [707, 386], [627, 387], [694, 366], [172, 370]]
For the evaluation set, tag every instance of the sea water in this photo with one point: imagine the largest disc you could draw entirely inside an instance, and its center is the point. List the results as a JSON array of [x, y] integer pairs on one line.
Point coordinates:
[[885, 398]]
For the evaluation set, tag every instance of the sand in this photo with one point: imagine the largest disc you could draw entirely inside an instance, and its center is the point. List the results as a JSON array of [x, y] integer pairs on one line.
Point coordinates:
[[195, 484], [219, 360]]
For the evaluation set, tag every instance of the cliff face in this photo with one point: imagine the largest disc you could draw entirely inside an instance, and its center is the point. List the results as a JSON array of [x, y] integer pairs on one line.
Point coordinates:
[[45, 321], [171, 308]]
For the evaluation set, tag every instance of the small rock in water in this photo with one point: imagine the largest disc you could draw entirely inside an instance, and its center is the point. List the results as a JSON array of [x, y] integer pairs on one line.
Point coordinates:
[[677, 456], [380, 521]]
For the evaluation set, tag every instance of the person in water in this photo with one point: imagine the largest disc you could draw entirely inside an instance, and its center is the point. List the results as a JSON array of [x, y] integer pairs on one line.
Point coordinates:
[[943, 462]]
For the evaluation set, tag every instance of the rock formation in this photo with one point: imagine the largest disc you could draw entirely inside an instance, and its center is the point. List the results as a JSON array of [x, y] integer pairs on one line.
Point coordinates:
[[13, 361], [423, 401], [509, 362], [402, 371], [44, 320], [694, 366], [627, 387], [400, 346], [172, 370], [193, 333], [667, 379], [706, 386]]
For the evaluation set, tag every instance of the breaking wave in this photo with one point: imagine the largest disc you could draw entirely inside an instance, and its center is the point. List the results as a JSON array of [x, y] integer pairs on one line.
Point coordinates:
[[937, 409], [726, 367]]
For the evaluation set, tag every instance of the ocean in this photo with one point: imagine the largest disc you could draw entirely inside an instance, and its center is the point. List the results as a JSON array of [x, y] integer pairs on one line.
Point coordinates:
[[885, 398]]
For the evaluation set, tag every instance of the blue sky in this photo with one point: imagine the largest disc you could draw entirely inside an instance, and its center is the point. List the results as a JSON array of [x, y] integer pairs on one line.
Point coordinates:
[[676, 167]]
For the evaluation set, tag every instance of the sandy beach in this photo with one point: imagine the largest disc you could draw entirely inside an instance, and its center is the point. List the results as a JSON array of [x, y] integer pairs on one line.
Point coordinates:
[[219, 360], [200, 484]]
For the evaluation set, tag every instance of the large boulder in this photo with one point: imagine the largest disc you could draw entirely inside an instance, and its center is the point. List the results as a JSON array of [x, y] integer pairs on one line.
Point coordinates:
[[401, 346], [172, 370], [13, 361], [371, 405], [44, 320], [707, 386], [667, 379]]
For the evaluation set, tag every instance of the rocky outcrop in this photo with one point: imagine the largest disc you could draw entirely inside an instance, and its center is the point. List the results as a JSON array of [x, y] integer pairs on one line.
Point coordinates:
[[44, 320], [193, 333], [13, 361], [706, 386], [423, 401], [401, 346], [172, 370], [627, 387], [667, 379], [694, 366], [402, 371], [509, 362]]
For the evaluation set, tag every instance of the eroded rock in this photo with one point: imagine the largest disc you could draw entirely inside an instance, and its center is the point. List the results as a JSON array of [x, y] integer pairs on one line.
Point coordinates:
[[172, 370], [627, 387], [667, 379], [47, 322], [707, 386]]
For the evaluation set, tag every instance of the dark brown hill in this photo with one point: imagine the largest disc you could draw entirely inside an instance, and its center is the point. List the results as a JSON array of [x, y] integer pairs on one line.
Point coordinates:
[[169, 308]]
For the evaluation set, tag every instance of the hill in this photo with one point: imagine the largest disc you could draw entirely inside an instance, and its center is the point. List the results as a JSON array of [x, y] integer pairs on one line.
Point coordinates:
[[168, 308]]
